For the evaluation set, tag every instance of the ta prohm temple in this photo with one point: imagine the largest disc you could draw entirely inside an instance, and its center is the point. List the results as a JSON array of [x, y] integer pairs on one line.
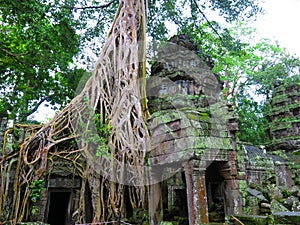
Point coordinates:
[[161, 150]]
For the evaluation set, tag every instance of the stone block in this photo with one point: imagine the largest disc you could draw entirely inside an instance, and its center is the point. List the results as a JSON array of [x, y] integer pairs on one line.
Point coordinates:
[[286, 217], [232, 184], [251, 220]]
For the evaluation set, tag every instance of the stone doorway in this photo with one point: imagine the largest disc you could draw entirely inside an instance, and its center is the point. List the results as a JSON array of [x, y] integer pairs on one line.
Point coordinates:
[[215, 192], [59, 207], [174, 199]]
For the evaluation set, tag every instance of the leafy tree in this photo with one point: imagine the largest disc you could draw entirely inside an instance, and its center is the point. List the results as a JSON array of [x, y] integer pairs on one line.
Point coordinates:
[[37, 45], [252, 120], [250, 68], [39, 40], [272, 65], [195, 13], [275, 66]]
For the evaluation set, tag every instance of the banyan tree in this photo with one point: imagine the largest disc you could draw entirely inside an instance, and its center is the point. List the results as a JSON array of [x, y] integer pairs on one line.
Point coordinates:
[[99, 139]]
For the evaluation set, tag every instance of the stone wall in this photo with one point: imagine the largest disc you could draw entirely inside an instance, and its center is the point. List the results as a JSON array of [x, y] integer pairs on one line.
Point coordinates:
[[284, 125], [271, 173], [284, 118], [192, 130]]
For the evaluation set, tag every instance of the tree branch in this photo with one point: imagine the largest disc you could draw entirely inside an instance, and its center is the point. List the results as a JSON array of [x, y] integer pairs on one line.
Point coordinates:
[[209, 23], [13, 54], [94, 7], [38, 105]]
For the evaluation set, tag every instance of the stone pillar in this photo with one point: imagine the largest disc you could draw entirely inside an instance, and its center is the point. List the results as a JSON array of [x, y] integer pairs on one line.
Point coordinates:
[[196, 194], [284, 175], [202, 196], [233, 197], [233, 185], [188, 171], [155, 204]]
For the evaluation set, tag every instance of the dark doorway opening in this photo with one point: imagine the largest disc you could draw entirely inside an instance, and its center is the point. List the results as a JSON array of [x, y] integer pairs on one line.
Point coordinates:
[[88, 203], [215, 192], [174, 199], [58, 208], [180, 202]]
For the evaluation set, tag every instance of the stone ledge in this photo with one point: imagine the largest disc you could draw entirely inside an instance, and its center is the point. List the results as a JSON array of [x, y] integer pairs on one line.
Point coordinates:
[[286, 217]]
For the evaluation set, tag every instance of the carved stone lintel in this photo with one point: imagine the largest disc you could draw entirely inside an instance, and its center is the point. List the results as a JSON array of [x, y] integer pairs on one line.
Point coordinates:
[[63, 182]]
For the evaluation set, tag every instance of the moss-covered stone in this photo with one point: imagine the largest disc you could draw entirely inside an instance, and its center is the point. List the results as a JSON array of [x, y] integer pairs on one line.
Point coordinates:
[[252, 219], [276, 206], [286, 217]]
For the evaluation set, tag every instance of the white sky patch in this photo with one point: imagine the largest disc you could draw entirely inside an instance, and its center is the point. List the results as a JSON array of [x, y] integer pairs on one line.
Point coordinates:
[[44, 113], [281, 22]]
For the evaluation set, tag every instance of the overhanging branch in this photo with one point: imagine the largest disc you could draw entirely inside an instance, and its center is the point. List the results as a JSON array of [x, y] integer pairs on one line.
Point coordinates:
[[13, 54], [93, 7], [47, 98], [209, 23]]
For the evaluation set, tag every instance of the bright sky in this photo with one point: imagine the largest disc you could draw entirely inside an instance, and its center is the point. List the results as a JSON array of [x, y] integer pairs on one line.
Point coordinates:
[[281, 22]]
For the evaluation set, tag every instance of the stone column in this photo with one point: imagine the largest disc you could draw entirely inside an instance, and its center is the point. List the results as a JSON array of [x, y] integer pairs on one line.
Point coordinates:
[[233, 197], [155, 204], [155, 196], [188, 171], [196, 194], [202, 196], [233, 184]]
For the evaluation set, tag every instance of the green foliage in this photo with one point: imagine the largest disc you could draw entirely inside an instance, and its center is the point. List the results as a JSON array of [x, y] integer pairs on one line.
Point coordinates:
[[96, 135], [166, 223], [16, 147], [188, 16], [249, 68], [16, 133], [276, 66], [35, 210], [236, 10], [252, 121], [38, 41], [160, 12], [36, 188], [102, 128]]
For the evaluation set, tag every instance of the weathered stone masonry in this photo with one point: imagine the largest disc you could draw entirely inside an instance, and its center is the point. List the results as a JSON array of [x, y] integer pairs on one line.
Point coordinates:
[[193, 130]]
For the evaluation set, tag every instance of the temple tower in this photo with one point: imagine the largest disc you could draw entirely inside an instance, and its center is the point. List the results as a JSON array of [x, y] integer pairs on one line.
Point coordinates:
[[283, 128], [193, 149]]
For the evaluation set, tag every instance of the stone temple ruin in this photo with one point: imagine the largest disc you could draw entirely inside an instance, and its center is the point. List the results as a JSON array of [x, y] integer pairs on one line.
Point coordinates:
[[191, 128], [220, 176], [200, 173]]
